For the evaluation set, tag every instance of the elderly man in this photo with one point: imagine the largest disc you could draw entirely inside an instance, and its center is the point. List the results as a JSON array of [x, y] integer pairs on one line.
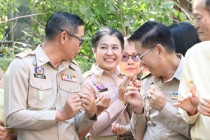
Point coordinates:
[[201, 12], [42, 87], [194, 86], [154, 116]]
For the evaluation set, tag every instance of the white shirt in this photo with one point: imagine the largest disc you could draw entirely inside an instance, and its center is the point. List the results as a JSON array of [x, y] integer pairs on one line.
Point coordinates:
[[197, 71]]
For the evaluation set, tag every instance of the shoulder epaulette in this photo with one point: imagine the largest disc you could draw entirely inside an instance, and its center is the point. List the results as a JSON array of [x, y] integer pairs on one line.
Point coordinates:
[[75, 63], [122, 75], [24, 53], [145, 75], [87, 73]]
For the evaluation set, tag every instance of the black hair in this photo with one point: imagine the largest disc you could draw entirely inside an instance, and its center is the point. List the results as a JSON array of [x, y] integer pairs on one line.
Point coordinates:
[[107, 31], [152, 33], [64, 21], [207, 5], [185, 36]]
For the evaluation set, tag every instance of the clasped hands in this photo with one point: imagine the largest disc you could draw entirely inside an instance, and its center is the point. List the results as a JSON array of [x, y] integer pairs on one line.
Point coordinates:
[[155, 97], [76, 103]]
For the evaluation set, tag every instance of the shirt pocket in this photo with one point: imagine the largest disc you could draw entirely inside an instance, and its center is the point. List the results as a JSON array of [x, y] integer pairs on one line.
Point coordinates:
[[68, 90], [40, 94]]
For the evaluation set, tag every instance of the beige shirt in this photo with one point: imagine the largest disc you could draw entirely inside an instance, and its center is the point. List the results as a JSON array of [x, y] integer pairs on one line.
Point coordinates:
[[197, 71], [98, 77], [35, 90], [2, 116], [168, 123], [1, 79]]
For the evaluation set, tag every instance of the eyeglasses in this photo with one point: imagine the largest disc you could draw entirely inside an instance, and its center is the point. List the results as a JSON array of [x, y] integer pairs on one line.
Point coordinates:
[[80, 39], [125, 57], [141, 56]]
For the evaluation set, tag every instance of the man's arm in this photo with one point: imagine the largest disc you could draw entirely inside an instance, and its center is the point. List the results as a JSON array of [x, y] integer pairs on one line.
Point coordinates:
[[138, 125], [89, 116], [138, 121], [185, 87], [174, 121]]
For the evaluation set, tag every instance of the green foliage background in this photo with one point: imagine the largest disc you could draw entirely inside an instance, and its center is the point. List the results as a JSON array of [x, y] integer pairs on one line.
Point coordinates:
[[118, 14]]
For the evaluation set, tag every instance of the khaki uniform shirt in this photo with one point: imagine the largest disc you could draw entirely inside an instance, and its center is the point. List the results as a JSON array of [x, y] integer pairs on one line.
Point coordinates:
[[197, 71], [95, 78], [35, 90], [168, 123]]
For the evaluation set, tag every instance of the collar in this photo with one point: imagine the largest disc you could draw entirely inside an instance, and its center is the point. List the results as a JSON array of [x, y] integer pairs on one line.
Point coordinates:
[[41, 57], [72, 65], [177, 73], [98, 72]]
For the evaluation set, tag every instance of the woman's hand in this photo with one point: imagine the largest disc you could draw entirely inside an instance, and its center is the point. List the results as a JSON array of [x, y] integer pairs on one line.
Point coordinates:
[[118, 129]]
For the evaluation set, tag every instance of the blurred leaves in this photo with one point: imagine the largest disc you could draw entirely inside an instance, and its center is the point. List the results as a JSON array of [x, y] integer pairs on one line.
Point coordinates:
[[117, 14]]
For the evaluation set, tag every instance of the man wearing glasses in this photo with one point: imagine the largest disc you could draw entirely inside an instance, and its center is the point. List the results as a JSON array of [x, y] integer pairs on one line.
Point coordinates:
[[154, 116], [42, 87]]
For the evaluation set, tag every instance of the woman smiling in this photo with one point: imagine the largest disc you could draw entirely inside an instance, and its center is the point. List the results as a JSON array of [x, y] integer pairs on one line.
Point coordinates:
[[104, 79]]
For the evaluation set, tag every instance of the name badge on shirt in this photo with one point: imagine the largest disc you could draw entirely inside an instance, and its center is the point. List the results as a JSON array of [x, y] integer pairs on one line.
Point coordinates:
[[100, 87], [39, 73], [174, 96], [69, 77]]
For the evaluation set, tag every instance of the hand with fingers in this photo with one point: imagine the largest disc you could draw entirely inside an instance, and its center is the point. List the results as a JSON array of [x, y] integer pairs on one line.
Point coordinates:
[[189, 102], [102, 102], [118, 129], [122, 88], [204, 107], [4, 134], [133, 97], [88, 103], [136, 83], [70, 109], [156, 98]]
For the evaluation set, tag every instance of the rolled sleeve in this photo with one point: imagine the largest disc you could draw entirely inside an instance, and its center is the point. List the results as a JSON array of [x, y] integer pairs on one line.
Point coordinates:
[[190, 119]]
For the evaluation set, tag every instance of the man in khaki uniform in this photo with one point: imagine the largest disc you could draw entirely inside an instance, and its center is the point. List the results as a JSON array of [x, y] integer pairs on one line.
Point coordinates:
[[42, 87], [154, 116]]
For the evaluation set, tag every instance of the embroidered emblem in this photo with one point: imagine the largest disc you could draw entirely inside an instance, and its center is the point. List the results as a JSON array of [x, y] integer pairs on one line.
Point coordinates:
[[68, 77], [39, 73], [174, 96], [100, 87]]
